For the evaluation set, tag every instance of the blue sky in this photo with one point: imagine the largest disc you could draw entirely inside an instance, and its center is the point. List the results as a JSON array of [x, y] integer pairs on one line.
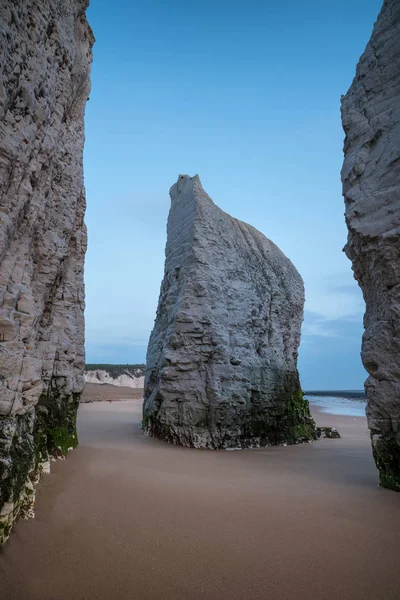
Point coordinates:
[[247, 95]]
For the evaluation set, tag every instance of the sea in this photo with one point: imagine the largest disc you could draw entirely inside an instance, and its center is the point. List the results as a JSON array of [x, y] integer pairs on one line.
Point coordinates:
[[350, 403]]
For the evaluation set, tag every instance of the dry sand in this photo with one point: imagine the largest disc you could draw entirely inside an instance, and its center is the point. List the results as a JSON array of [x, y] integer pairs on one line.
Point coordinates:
[[105, 392], [128, 517]]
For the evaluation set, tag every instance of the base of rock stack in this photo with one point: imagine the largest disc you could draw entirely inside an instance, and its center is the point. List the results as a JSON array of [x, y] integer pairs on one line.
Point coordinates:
[[386, 451], [294, 426]]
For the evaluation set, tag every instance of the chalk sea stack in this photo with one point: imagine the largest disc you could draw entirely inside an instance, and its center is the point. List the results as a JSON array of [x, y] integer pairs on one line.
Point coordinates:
[[222, 357], [371, 189], [45, 50]]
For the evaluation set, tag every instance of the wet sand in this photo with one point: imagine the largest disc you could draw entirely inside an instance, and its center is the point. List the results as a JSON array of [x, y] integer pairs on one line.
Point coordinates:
[[127, 517]]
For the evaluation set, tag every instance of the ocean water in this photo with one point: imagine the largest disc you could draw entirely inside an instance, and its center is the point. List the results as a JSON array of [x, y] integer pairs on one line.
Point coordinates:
[[348, 403]]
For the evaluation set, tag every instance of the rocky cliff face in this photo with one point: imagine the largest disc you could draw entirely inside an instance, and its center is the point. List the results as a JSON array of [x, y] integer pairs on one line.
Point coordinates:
[[371, 188], [45, 49], [221, 362], [121, 375]]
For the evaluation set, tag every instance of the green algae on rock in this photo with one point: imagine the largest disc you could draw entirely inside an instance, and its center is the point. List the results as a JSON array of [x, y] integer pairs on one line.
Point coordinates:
[[35, 442], [386, 451]]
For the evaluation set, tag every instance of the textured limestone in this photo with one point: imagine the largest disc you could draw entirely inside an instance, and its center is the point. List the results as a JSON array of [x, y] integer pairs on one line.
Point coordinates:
[[121, 375], [221, 362], [371, 187], [45, 50]]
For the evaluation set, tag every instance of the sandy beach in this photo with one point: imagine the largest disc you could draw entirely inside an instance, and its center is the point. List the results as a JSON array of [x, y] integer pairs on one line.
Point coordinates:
[[105, 392], [128, 517]]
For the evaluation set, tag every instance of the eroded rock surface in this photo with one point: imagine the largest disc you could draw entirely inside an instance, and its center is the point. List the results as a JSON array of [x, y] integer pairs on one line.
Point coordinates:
[[45, 50], [327, 432], [371, 188], [222, 358]]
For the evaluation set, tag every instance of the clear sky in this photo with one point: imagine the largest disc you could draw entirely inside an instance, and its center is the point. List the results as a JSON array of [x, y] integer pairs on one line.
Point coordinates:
[[247, 95]]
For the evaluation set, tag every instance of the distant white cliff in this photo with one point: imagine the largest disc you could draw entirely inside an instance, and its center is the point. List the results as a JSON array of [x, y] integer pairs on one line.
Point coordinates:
[[121, 375]]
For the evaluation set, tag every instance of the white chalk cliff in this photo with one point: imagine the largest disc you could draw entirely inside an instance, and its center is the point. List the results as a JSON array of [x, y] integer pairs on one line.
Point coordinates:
[[119, 375], [371, 188], [45, 50], [222, 357]]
